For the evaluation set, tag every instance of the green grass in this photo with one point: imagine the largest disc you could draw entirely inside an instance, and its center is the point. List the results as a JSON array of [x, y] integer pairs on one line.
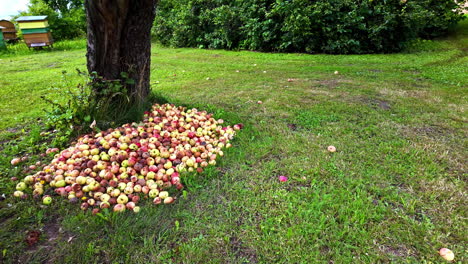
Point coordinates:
[[394, 192]]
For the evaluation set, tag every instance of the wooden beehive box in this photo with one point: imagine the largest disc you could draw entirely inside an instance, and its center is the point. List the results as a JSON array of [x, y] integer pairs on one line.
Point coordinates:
[[9, 30], [2, 42], [36, 32]]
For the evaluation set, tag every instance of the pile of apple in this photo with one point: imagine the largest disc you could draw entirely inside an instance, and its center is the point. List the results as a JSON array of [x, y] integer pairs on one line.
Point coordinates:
[[117, 167]]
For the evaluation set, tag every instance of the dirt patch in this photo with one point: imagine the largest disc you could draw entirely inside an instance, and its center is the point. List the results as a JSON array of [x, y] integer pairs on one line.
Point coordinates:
[[438, 134], [52, 230], [248, 255], [324, 250], [375, 103], [292, 127], [433, 132], [383, 104], [396, 251]]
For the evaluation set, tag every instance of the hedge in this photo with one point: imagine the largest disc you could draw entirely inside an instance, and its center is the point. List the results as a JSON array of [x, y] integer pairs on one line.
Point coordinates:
[[333, 26]]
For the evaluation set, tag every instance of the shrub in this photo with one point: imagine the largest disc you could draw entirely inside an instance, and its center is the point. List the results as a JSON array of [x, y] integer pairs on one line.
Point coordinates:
[[97, 104], [329, 26]]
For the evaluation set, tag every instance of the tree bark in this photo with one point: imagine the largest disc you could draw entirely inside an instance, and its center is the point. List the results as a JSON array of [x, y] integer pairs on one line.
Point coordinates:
[[119, 40]]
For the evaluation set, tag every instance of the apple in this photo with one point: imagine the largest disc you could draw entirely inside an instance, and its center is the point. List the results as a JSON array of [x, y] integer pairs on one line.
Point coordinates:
[[168, 165], [157, 200], [47, 200], [163, 195], [153, 193], [130, 205], [122, 186], [91, 202], [133, 146], [150, 175], [115, 193], [447, 254], [154, 152], [119, 208], [190, 163], [168, 200], [283, 178], [170, 171], [135, 199], [21, 186], [18, 194], [104, 197], [113, 183], [60, 183], [38, 192], [29, 180], [94, 151], [137, 188], [122, 199], [116, 134], [128, 190], [104, 205], [84, 206], [15, 161], [145, 189]]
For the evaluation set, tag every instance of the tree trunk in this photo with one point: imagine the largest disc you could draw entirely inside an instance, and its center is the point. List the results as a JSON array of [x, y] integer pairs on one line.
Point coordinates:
[[119, 40]]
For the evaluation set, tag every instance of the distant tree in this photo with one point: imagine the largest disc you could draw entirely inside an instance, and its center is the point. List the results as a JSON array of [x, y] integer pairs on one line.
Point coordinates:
[[64, 6], [66, 18], [119, 41]]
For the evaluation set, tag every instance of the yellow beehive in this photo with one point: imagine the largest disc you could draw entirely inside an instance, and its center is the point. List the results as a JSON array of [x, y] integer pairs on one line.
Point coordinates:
[[35, 30], [33, 24]]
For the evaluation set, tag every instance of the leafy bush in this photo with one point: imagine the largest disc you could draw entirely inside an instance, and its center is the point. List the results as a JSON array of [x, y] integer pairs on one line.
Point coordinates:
[[98, 100], [330, 26]]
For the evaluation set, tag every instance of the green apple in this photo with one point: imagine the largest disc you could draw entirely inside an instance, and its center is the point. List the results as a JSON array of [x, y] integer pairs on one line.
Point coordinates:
[[47, 200], [21, 186]]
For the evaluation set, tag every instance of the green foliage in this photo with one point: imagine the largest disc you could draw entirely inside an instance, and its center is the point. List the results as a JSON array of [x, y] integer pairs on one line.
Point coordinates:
[[67, 19], [343, 26], [64, 6], [90, 106]]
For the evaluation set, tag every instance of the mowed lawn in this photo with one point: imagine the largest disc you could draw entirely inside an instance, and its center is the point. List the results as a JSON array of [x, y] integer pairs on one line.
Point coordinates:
[[394, 192]]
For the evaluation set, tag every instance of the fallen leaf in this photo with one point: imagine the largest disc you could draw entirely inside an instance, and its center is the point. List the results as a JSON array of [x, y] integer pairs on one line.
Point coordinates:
[[33, 237]]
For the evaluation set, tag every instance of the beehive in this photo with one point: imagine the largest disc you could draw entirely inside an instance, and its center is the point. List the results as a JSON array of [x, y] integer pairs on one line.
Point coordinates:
[[36, 32], [2, 42], [9, 30]]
